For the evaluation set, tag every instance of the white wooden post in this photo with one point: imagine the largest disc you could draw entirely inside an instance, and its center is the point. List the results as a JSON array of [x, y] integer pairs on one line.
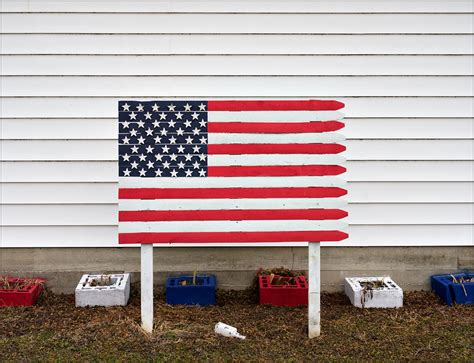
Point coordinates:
[[314, 289], [146, 256]]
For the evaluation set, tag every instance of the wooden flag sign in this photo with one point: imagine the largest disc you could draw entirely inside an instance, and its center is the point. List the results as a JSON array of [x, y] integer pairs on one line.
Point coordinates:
[[230, 171]]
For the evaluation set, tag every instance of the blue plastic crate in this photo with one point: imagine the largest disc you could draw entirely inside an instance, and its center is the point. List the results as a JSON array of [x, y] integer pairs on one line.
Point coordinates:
[[203, 293], [450, 292]]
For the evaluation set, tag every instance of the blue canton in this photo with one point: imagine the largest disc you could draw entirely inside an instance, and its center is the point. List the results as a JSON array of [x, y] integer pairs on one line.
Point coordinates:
[[163, 139]]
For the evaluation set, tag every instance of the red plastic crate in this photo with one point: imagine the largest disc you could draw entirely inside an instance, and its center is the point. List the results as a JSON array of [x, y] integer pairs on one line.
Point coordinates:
[[26, 296], [283, 295]]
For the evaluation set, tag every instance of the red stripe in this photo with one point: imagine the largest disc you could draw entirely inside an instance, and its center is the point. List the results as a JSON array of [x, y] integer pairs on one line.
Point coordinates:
[[232, 237], [240, 149], [284, 170], [274, 127], [227, 193], [277, 105], [231, 215]]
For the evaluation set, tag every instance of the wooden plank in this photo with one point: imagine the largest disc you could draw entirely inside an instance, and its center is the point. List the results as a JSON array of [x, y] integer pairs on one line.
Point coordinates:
[[359, 214], [106, 150], [244, 6], [229, 86], [363, 128], [236, 23], [359, 235], [367, 171], [187, 44], [360, 107], [314, 290], [56, 65], [359, 192]]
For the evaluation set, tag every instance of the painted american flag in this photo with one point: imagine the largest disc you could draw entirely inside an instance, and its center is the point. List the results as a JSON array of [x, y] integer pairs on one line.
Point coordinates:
[[230, 171]]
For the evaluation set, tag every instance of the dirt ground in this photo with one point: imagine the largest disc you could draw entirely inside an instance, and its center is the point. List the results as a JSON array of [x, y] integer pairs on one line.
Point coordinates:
[[423, 330]]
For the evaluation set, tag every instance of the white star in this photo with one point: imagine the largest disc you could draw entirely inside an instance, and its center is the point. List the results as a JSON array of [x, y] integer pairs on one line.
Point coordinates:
[[125, 124], [125, 140], [158, 172], [181, 165], [157, 139], [166, 165], [181, 149], [142, 172], [173, 157], [141, 140], [171, 107], [203, 140], [126, 107], [163, 116], [179, 115], [188, 157], [158, 157], [187, 123], [140, 107], [165, 149], [163, 132], [155, 107], [187, 107], [202, 157], [156, 124], [149, 149], [133, 116], [142, 157], [195, 116], [196, 131], [134, 149], [134, 165], [148, 116], [140, 123], [149, 132], [172, 123], [180, 131], [189, 140], [172, 140], [196, 149], [196, 165], [133, 132], [202, 172], [126, 172], [150, 165], [189, 172], [126, 157], [202, 123], [174, 173], [202, 107]]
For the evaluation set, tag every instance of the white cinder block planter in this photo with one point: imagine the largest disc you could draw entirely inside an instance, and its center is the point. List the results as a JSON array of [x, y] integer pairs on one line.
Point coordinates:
[[115, 291], [389, 296]]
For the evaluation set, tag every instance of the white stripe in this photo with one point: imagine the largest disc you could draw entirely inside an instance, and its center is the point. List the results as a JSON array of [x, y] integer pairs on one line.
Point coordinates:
[[217, 204], [229, 138], [230, 226], [273, 116], [232, 182], [277, 159]]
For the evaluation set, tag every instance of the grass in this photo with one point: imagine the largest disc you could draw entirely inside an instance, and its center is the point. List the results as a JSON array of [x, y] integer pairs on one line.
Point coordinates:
[[423, 330]]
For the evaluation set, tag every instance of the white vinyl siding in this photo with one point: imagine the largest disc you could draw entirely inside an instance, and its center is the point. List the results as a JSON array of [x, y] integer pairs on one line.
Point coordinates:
[[403, 68]]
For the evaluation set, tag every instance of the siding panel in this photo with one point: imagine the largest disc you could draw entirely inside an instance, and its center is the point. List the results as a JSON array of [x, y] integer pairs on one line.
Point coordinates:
[[363, 128], [58, 107], [242, 6], [243, 65], [104, 150], [236, 23], [222, 86], [359, 192], [235, 44]]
